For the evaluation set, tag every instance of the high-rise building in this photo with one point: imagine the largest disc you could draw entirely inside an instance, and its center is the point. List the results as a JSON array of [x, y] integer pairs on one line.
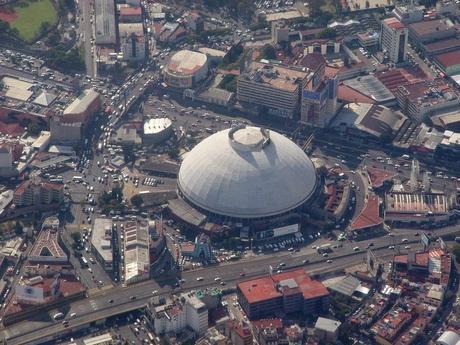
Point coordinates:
[[394, 39]]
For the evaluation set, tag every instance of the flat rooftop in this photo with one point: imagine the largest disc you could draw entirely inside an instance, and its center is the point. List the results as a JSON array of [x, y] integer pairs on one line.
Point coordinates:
[[266, 288], [101, 238], [105, 22], [402, 202], [279, 77]]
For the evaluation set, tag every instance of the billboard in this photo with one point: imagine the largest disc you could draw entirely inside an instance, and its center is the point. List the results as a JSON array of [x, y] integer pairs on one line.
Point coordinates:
[[424, 240], [29, 293], [277, 232], [372, 264]]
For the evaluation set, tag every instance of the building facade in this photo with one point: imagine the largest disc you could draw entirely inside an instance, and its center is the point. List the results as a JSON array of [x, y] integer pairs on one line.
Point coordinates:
[[394, 40]]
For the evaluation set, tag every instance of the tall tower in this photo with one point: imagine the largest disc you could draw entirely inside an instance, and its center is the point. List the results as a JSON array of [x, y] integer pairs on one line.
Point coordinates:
[[394, 39]]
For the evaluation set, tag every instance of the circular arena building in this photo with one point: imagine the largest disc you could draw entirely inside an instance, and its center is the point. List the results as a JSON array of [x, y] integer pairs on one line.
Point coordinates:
[[247, 176], [185, 69]]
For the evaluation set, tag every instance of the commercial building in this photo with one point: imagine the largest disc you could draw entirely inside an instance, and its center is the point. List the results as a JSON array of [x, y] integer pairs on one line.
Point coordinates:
[[48, 248], [442, 46], [319, 98], [433, 265], [133, 47], [137, 252], [410, 13], [105, 22], [189, 310], [265, 177], [185, 69], [428, 31], [418, 99], [368, 38], [272, 89], [101, 242], [286, 292], [157, 130], [130, 14], [327, 330], [449, 62], [368, 223], [394, 40], [68, 127], [37, 192], [369, 120], [406, 208], [201, 249]]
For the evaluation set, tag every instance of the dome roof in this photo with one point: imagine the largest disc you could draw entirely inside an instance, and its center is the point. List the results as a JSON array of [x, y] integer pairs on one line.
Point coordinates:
[[247, 172]]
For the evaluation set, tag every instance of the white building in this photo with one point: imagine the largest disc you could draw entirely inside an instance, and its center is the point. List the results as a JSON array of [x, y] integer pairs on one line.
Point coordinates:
[[188, 311], [394, 39]]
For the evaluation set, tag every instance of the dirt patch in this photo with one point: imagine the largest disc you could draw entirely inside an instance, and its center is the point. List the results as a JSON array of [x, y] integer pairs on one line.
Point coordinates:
[[8, 15]]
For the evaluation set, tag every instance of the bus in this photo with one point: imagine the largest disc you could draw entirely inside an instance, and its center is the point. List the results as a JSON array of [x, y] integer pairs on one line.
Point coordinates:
[[77, 179]]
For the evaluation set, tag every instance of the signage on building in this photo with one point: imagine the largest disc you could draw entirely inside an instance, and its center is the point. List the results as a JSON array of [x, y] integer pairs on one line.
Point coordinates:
[[372, 263], [425, 240], [277, 232]]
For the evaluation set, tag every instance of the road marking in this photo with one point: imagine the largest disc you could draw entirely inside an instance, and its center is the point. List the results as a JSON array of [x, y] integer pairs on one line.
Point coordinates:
[[93, 304]]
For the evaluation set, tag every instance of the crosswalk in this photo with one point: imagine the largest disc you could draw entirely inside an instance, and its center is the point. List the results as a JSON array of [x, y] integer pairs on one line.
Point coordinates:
[[93, 304]]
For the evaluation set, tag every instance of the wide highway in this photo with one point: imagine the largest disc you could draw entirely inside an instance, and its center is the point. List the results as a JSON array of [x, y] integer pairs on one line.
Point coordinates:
[[99, 306]]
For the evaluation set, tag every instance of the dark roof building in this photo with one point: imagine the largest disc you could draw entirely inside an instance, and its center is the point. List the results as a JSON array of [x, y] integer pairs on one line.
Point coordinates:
[[430, 30]]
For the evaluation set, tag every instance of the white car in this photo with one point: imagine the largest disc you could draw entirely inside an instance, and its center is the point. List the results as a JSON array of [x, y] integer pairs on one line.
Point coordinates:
[[200, 279]]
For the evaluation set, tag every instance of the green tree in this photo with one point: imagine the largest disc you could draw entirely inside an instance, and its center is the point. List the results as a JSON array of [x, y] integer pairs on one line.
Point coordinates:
[[137, 200], [327, 33], [268, 52], [76, 236]]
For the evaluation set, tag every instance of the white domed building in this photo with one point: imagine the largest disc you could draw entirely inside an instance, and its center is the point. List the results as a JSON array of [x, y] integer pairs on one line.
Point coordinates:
[[248, 177], [185, 69]]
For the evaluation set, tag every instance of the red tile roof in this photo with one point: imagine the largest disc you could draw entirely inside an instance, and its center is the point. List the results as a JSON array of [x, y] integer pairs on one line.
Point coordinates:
[[394, 23], [268, 323], [350, 95], [369, 216], [449, 59], [378, 176], [13, 129], [130, 11], [262, 289]]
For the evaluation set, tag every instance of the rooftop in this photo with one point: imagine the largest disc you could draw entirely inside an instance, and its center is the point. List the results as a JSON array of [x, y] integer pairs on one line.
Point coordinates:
[[416, 203], [394, 23], [449, 59], [261, 289], [187, 62], [105, 22], [427, 27], [372, 87], [369, 216], [82, 102], [102, 237], [47, 247], [136, 244], [279, 77], [156, 125], [379, 176], [327, 325]]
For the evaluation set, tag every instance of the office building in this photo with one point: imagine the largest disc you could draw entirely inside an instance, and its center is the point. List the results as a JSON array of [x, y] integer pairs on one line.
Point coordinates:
[[272, 89], [394, 40], [287, 292]]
